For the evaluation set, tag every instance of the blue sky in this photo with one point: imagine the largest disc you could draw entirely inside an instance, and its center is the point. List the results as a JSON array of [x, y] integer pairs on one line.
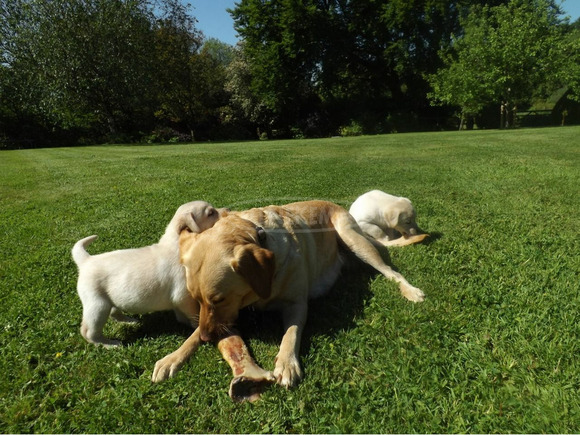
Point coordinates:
[[572, 8], [215, 22]]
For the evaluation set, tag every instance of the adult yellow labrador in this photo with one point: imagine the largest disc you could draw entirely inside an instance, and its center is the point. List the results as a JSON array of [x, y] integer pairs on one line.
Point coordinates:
[[276, 257]]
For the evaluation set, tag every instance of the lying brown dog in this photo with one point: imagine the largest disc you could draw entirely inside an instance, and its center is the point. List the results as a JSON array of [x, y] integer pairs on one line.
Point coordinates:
[[273, 257]]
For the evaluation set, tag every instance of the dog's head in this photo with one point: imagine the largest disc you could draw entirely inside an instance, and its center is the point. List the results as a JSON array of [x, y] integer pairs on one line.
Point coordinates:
[[227, 268], [196, 216], [402, 217]]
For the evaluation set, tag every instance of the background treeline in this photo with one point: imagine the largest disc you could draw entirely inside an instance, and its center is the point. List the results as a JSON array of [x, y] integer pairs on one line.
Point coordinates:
[[93, 71]]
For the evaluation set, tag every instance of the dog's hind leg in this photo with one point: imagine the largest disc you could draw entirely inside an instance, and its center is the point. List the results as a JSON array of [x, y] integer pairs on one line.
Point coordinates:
[[118, 315], [352, 236], [373, 231], [95, 316]]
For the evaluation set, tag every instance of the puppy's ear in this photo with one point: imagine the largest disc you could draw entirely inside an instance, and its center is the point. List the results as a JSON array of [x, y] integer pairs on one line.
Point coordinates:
[[392, 217], [187, 222], [210, 212], [395, 209], [256, 265]]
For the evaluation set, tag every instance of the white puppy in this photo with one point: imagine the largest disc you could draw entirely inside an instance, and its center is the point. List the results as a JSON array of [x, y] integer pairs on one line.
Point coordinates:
[[385, 218], [138, 280]]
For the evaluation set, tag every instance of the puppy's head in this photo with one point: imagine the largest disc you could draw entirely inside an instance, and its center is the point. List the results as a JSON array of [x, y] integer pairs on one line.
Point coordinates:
[[402, 217], [196, 216], [226, 270]]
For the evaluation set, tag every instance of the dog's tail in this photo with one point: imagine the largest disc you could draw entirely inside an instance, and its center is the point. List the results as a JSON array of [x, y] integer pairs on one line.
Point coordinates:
[[79, 253]]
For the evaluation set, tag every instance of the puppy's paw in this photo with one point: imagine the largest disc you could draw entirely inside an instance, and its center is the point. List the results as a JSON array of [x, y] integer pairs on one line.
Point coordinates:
[[120, 317], [412, 293], [166, 368], [287, 371], [112, 344], [105, 342]]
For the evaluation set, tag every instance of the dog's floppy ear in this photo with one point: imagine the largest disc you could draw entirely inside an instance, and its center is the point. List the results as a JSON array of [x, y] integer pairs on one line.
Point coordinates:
[[186, 221], [186, 240], [401, 205], [256, 265], [392, 217]]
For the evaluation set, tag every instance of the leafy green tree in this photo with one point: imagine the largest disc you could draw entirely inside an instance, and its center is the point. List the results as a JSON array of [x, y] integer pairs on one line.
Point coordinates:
[[340, 60], [570, 68], [245, 107], [89, 59], [192, 89], [223, 53], [105, 66], [174, 48], [279, 50], [504, 53]]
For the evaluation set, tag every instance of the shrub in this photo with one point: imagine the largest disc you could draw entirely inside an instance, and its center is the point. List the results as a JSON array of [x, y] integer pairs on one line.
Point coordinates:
[[353, 129]]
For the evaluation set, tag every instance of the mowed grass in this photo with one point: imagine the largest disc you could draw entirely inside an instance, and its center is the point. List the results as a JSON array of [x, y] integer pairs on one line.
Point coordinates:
[[494, 348]]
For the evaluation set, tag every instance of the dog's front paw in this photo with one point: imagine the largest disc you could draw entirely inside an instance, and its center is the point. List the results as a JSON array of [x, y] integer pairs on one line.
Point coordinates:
[[287, 371], [166, 368], [412, 293]]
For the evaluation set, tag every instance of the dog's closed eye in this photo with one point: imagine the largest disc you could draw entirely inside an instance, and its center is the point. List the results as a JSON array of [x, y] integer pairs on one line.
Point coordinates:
[[218, 300]]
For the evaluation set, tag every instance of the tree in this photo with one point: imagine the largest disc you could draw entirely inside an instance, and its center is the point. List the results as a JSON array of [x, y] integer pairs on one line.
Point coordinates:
[[104, 66], [245, 107], [503, 55], [90, 59], [338, 60], [570, 68], [223, 53], [278, 51]]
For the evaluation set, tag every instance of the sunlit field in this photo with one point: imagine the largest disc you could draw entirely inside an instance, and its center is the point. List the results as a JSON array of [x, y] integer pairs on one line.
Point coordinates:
[[494, 347]]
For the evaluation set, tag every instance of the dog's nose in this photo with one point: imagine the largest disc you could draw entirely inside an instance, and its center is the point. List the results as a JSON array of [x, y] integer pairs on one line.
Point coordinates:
[[204, 336]]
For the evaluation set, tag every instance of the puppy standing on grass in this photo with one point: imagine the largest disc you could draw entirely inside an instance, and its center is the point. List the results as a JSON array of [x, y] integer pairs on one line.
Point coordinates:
[[138, 280], [388, 219]]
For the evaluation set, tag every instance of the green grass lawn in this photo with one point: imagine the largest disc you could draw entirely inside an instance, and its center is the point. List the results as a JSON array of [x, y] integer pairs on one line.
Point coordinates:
[[494, 348]]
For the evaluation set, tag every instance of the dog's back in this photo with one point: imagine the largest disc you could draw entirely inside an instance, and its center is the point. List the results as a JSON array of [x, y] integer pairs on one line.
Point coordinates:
[[370, 206], [302, 228]]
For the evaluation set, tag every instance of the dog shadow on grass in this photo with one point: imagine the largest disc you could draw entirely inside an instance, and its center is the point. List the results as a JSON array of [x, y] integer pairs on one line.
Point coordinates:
[[153, 325], [433, 237], [335, 312]]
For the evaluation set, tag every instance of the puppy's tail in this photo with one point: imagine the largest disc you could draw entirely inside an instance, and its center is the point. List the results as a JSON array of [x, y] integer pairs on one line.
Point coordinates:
[[79, 253]]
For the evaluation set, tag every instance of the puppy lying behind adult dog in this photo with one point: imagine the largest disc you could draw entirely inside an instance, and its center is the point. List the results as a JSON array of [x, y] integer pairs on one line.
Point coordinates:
[[276, 257], [138, 280], [388, 219]]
